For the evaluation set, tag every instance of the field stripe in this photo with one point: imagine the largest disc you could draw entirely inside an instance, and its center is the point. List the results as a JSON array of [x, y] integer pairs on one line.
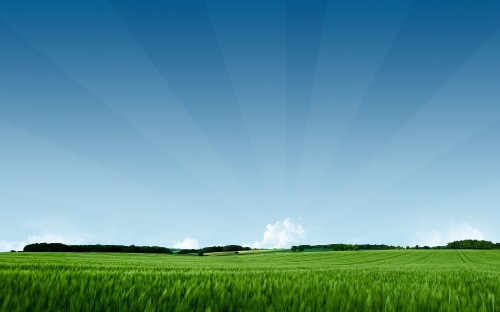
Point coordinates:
[[465, 256]]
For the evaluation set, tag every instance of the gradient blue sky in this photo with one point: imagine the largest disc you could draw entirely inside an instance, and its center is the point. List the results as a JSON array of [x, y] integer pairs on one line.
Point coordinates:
[[269, 123]]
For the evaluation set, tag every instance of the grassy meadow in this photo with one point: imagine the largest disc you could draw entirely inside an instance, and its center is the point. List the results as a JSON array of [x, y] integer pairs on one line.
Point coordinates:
[[394, 280]]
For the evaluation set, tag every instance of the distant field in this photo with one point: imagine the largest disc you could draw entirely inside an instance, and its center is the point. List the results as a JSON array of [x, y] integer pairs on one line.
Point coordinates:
[[241, 252], [395, 280]]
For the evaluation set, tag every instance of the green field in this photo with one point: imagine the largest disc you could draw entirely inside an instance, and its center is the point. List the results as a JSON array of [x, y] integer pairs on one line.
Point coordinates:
[[396, 280]]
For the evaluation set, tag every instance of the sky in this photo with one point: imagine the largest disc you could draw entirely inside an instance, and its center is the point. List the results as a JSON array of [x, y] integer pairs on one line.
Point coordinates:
[[264, 123]]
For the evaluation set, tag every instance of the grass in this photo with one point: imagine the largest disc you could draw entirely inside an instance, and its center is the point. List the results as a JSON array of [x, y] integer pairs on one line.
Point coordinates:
[[396, 280]]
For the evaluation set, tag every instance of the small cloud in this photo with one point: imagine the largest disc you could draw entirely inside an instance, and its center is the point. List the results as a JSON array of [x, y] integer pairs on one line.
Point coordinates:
[[187, 243], [455, 232], [429, 238], [464, 231], [41, 238], [281, 234], [54, 238], [8, 246]]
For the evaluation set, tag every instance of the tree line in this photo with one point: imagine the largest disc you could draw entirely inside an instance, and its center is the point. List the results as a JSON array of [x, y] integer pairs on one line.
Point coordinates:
[[203, 250], [58, 247], [461, 244], [472, 244], [344, 247]]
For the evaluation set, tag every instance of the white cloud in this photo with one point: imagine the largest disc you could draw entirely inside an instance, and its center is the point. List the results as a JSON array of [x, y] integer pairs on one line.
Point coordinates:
[[54, 238], [281, 234], [187, 243], [464, 231], [8, 246], [453, 233], [40, 238]]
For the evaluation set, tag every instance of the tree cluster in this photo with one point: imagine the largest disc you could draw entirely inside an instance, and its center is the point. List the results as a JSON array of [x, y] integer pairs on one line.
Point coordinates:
[[345, 247], [377, 247], [462, 244], [187, 251], [224, 248], [58, 247], [335, 247], [213, 249], [471, 244]]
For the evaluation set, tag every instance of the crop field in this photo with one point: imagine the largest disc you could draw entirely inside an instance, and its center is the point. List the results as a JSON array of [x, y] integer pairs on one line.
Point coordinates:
[[396, 280]]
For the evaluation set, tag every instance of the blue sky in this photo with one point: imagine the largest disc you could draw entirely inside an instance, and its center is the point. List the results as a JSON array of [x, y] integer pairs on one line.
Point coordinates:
[[267, 123]]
